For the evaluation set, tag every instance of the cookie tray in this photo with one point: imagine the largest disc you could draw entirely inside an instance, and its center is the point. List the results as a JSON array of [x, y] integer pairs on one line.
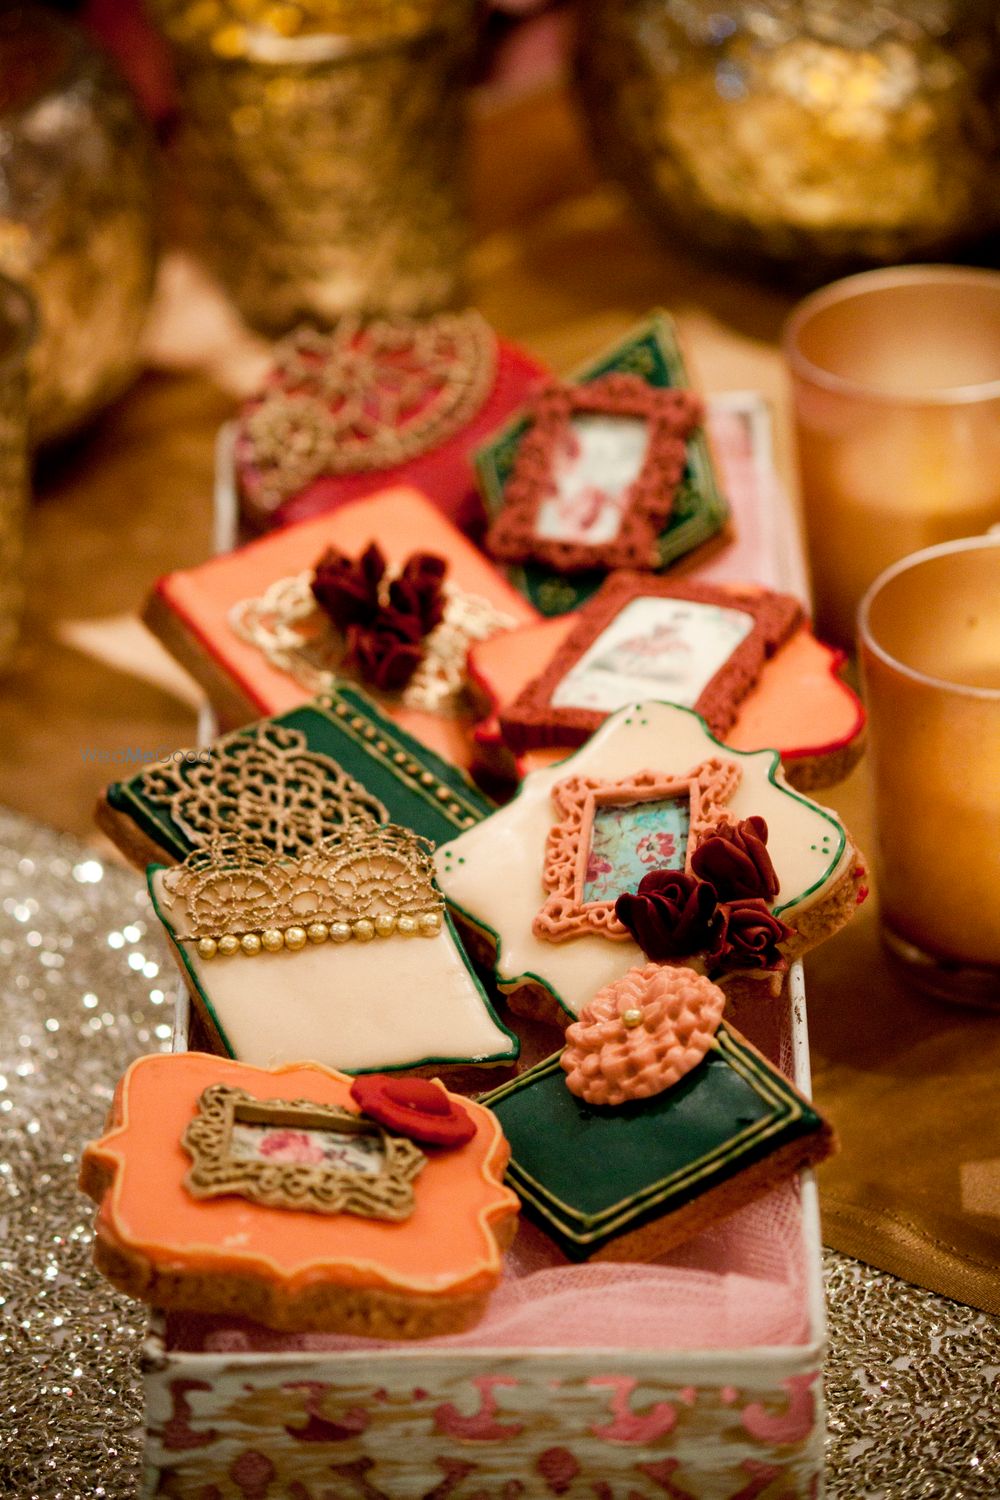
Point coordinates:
[[233, 1413]]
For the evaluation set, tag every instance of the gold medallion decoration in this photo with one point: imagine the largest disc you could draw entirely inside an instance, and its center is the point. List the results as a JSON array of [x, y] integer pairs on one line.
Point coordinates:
[[296, 636], [267, 784], [297, 1154], [363, 883], [367, 396]]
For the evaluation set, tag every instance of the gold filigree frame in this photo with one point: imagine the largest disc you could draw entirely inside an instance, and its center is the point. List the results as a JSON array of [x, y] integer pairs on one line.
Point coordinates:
[[314, 1188], [708, 787]]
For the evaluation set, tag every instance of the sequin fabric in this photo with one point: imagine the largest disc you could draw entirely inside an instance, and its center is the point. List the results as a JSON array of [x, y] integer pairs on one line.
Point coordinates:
[[911, 1378]]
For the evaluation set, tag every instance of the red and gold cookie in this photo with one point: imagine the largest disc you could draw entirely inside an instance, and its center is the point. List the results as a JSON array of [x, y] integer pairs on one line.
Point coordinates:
[[226, 1188], [370, 405]]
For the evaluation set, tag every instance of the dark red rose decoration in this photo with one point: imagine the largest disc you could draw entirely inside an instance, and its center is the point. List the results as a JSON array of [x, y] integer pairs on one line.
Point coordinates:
[[719, 911], [384, 626], [734, 859], [347, 588], [672, 915], [750, 937], [414, 1107]]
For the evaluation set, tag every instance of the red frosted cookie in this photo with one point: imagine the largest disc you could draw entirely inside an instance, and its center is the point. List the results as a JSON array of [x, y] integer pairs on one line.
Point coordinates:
[[368, 406], [227, 1188]]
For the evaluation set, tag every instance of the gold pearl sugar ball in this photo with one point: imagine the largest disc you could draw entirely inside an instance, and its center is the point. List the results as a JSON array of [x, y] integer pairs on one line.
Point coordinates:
[[272, 940], [317, 932], [430, 923], [295, 938], [631, 1018], [250, 944], [340, 932], [229, 944], [207, 947], [363, 930], [385, 924], [407, 925]]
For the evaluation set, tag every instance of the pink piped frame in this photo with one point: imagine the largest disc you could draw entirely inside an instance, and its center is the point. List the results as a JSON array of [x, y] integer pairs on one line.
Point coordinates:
[[672, 415], [565, 914]]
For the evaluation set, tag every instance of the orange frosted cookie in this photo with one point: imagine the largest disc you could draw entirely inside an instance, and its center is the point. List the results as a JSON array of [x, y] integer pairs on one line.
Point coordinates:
[[543, 687], [250, 627], [276, 1195]]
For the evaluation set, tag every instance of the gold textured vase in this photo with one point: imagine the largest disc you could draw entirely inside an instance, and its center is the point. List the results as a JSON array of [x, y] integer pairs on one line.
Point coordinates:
[[18, 327], [820, 135], [76, 213], [321, 151]]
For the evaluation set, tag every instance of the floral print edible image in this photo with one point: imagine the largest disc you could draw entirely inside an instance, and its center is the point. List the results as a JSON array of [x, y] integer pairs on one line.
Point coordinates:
[[627, 842], [308, 1147]]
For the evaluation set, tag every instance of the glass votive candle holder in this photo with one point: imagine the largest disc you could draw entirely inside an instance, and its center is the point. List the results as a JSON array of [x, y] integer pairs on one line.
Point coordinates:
[[896, 388], [930, 658], [18, 325]]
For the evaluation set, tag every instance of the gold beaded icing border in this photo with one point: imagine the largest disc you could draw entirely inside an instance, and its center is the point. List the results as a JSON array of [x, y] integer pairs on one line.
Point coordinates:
[[238, 897]]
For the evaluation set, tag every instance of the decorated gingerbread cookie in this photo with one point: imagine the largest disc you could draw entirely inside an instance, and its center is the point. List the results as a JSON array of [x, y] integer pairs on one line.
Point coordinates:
[[593, 481], [742, 656], [384, 592], [342, 953], [289, 782], [654, 839], [611, 469], [300, 1198], [370, 405], [655, 1121]]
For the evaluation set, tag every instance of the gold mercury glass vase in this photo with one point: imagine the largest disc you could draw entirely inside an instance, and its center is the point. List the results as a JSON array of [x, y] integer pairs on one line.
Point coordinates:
[[813, 135], [17, 332], [76, 214], [321, 151]]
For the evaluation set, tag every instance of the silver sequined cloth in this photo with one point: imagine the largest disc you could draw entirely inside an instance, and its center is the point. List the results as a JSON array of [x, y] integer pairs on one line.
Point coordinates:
[[85, 985]]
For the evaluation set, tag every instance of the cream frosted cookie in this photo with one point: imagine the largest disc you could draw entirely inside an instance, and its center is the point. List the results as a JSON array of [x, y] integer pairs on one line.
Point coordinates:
[[299, 1197], [538, 884], [344, 955]]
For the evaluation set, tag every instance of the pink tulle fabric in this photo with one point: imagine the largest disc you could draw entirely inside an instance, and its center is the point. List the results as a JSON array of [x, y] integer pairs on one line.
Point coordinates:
[[737, 1286], [740, 1285]]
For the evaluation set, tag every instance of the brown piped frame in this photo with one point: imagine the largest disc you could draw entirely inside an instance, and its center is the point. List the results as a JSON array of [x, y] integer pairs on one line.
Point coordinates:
[[671, 414], [532, 722], [708, 788]]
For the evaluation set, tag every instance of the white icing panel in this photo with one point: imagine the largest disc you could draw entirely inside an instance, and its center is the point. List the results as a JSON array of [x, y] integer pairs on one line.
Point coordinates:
[[390, 1003], [670, 648]]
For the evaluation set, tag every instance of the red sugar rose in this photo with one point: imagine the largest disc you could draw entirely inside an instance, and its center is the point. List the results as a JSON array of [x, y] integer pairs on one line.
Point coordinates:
[[348, 589], [735, 860], [414, 1107]]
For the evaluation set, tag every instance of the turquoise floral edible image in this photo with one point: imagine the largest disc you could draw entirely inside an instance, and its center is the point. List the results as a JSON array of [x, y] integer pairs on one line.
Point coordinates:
[[628, 842]]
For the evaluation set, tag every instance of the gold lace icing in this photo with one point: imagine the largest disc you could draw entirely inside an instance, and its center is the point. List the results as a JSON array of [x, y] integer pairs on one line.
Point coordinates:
[[367, 396], [565, 914], [364, 882], [267, 784], [295, 635], [322, 1187]]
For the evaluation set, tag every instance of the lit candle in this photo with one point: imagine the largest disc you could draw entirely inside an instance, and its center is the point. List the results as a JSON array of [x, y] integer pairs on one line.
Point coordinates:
[[896, 380], [930, 655]]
